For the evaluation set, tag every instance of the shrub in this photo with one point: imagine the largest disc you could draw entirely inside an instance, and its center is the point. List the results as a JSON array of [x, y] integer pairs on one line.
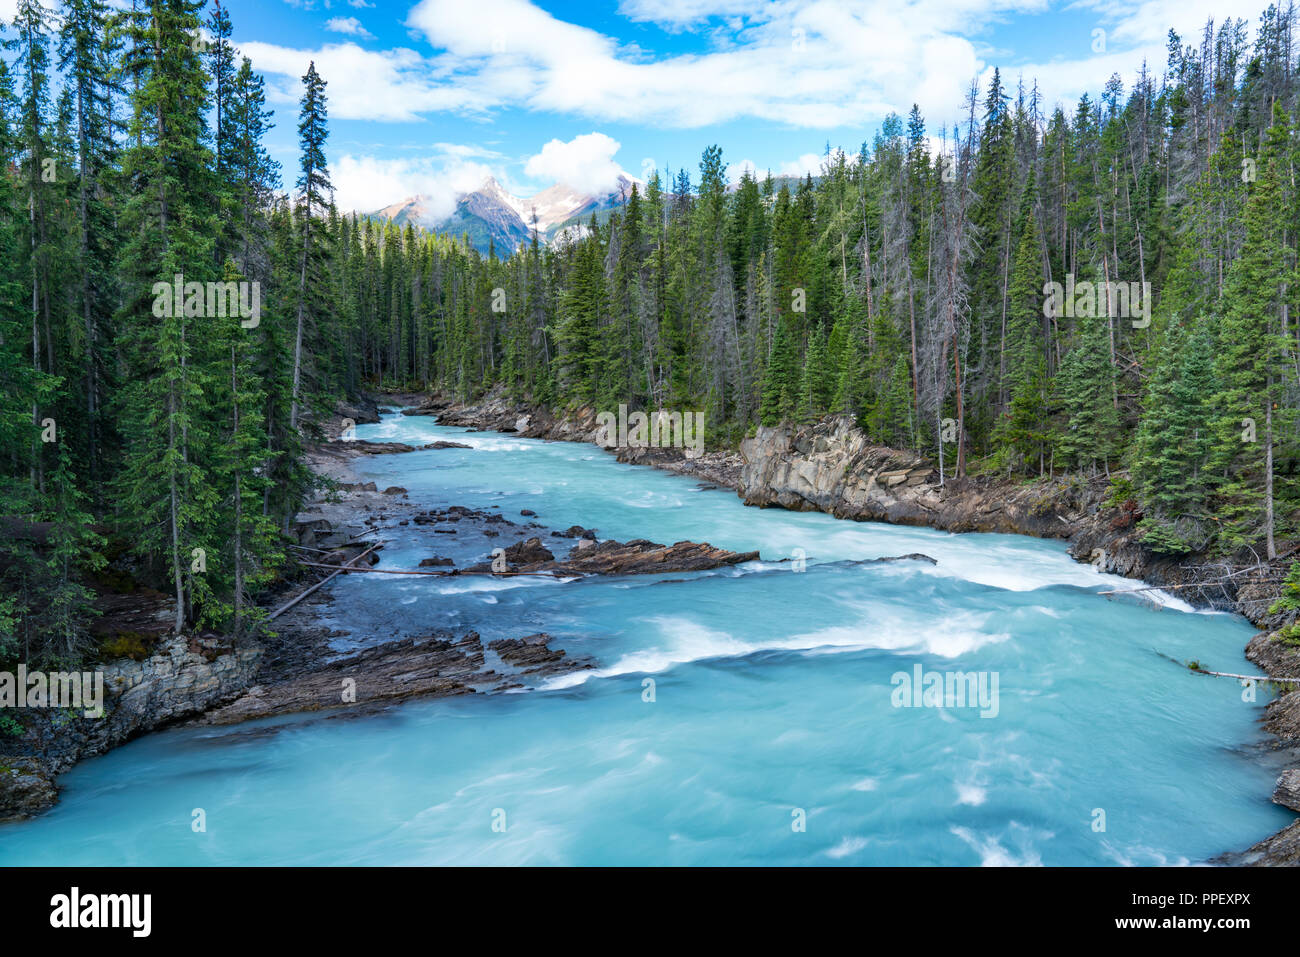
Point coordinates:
[[127, 644]]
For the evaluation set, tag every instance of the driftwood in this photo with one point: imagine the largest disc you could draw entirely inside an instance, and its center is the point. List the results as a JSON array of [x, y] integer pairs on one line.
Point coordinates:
[[1228, 674], [339, 571]]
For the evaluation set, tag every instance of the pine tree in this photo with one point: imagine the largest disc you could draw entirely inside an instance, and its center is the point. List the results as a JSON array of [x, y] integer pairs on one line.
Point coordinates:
[[816, 389], [575, 332], [1085, 387], [314, 197], [890, 420], [163, 491], [32, 63], [782, 379]]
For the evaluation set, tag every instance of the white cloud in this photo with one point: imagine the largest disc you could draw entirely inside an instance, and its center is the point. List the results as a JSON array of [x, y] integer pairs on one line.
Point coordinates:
[[801, 63], [806, 63], [586, 163], [349, 25], [9, 10], [1135, 31], [807, 163], [813, 64], [366, 183], [397, 84]]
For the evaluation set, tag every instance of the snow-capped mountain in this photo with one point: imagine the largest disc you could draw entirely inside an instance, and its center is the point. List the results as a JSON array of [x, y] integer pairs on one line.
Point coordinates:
[[492, 213]]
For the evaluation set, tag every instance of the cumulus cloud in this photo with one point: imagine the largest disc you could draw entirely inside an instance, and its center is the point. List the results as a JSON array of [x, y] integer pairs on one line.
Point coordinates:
[[800, 63], [805, 63], [586, 163], [737, 171], [812, 64], [349, 25], [392, 85]]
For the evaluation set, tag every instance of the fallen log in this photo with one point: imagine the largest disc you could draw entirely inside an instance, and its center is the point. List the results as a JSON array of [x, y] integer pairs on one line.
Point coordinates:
[[339, 571], [1228, 674], [451, 574]]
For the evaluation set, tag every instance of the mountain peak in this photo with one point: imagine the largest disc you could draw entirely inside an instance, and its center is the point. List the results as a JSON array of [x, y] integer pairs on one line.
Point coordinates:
[[493, 215]]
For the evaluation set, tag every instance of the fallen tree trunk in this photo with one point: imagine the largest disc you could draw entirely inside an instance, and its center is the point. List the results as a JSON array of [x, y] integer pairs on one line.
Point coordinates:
[[287, 605], [1228, 674], [451, 574]]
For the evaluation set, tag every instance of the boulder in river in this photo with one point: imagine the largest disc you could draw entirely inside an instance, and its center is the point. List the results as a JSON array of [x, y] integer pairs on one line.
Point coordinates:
[[1287, 792], [528, 552]]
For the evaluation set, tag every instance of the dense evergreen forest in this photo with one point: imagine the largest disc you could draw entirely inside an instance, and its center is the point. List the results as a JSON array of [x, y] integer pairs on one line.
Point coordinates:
[[908, 285]]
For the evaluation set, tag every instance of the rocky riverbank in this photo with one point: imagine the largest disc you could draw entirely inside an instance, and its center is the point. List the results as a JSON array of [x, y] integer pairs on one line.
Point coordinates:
[[297, 666], [305, 671], [497, 413], [182, 677]]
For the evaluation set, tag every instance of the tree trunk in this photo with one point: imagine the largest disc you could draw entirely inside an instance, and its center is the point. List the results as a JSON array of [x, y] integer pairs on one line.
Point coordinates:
[[302, 297]]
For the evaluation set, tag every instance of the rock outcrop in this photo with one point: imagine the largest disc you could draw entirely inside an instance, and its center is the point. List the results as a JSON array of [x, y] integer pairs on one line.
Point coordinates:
[[1287, 791], [183, 677], [832, 468], [637, 557], [438, 665], [532, 655], [26, 788]]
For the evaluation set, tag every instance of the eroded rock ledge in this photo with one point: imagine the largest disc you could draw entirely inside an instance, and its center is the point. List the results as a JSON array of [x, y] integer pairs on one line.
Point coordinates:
[[438, 665], [637, 557]]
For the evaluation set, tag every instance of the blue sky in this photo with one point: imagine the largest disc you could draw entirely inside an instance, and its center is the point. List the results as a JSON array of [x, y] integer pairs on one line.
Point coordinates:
[[432, 96]]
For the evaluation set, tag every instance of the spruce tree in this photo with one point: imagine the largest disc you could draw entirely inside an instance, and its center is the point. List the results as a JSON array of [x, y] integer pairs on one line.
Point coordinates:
[[314, 197]]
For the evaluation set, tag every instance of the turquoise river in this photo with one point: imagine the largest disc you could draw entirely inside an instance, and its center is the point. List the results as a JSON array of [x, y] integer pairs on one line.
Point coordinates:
[[745, 716]]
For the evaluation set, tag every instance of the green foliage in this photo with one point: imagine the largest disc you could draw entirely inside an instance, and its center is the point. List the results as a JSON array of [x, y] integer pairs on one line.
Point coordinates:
[[894, 286], [1290, 597]]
